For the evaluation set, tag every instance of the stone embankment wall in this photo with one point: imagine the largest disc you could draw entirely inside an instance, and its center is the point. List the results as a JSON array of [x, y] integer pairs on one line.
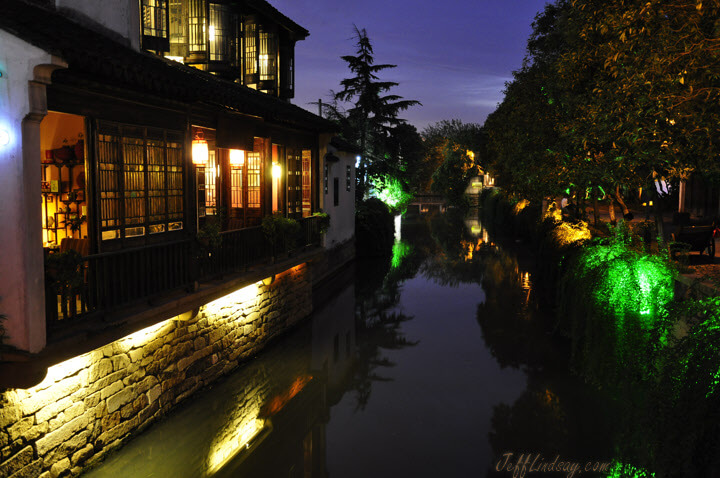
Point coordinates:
[[94, 402]]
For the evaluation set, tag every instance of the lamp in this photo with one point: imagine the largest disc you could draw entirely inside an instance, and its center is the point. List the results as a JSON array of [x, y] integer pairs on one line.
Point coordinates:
[[199, 149], [4, 137], [276, 171], [237, 157]]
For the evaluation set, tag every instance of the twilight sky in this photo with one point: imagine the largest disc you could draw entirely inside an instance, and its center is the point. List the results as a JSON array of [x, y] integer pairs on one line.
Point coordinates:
[[453, 56]]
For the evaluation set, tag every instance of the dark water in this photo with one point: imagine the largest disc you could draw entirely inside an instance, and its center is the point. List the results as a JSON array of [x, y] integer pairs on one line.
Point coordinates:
[[435, 362]]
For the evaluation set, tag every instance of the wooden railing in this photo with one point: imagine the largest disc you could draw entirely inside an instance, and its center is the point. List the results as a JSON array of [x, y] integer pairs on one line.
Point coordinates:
[[114, 279]]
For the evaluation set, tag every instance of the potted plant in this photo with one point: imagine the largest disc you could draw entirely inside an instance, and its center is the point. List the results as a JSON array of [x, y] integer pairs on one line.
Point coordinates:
[[281, 233]]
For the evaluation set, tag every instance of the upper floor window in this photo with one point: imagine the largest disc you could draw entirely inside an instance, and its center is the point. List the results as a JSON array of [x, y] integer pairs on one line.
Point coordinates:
[[155, 21]]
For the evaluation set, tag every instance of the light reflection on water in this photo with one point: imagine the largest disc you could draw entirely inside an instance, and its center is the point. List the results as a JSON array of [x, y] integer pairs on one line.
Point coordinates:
[[432, 364]]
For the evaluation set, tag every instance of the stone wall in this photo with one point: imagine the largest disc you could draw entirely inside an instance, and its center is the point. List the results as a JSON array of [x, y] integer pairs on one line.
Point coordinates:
[[93, 403]]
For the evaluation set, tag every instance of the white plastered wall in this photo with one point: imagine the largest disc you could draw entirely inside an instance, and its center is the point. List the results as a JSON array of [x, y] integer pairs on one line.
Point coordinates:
[[25, 71], [119, 16], [342, 216]]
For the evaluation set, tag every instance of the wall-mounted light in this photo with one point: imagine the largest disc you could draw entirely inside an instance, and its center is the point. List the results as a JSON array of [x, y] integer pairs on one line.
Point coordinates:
[[199, 149], [237, 157], [4, 137], [212, 32], [276, 171]]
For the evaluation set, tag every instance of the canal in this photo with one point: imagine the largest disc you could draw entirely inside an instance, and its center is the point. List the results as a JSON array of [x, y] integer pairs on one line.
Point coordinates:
[[437, 361]]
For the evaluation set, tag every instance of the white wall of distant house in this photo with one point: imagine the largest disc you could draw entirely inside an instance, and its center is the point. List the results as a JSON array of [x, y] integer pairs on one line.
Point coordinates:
[[342, 216], [119, 16]]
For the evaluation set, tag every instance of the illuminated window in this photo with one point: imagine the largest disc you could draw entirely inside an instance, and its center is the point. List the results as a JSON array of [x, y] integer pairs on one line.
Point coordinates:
[[254, 171], [221, 32], [155, 25], [212, 171], [306, 184], [251, 53], [236, 186], [268, 53], [140, 181], [196, 26]]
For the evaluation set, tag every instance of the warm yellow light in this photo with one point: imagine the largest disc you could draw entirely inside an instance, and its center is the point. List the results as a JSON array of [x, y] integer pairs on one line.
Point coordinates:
[[276, 171], [247, 297], [237, 157], [200, 151], [650, 203], [212, 33], [470, 154], [179, 59]]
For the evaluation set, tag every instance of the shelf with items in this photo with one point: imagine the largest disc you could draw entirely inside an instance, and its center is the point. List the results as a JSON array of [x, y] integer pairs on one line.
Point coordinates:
[[63, 194]]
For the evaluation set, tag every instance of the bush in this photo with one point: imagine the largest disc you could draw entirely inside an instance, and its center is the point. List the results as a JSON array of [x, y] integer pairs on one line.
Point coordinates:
[[374, 228], [282, 233]]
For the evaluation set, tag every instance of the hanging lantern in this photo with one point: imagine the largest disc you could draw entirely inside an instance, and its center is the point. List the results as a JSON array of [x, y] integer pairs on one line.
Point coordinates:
[[237, 157], [276, 171], [199, 149]]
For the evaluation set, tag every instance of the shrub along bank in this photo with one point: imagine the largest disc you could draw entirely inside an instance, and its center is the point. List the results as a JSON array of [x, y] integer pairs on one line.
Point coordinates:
[[656, 351]]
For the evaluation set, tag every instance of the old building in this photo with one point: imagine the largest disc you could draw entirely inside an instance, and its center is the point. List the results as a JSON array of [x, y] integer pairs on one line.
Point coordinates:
[[142, 143]]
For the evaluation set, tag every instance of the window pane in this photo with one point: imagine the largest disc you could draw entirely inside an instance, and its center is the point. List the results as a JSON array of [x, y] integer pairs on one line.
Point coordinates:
[[154, 15], [253, 179]]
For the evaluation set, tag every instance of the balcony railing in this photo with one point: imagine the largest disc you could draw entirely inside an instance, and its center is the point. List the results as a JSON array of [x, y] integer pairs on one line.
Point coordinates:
[[101, 283]]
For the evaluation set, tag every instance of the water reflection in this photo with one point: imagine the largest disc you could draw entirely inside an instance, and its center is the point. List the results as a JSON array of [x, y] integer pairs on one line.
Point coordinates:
[[432, 362]]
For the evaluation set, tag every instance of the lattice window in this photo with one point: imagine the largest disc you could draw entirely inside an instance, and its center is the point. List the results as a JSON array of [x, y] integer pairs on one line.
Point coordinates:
[[268, 54], [294, 182], [236, 186], [251, 52], [221, 32], [196, 25], [306, 184], [254, 175], [211, 175], [140, 181], [154, 18]]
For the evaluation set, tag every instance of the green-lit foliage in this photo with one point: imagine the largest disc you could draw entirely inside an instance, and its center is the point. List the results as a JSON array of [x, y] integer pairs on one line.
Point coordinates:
[[391, 191], [400, 251], [624, 470], [611, 298], [686, 403]]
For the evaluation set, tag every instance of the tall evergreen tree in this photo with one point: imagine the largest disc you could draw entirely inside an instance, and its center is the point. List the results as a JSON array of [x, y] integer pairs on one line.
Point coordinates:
[[373, 113]]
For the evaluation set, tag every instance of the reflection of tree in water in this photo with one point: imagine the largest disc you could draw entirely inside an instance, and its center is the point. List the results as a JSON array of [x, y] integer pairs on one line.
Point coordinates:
[[555, 415], [378, 325]]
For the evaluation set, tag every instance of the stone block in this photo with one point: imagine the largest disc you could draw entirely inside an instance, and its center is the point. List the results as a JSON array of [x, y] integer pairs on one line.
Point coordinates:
[[110, 421], [120, 362], [62, 434], [35, 432], [17, 462], [51, 410], [82, 455], [136, 354], [29, 471], [10, 411], [154, 393], [100, 369], [59, 468], [105, 381], [56, 392], [111, 389], [19, 428], [121, 398], [146, 384]]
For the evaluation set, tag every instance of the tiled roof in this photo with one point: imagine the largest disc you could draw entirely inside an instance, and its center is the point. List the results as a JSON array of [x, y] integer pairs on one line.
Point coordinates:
[[274, 14], [99, 58]]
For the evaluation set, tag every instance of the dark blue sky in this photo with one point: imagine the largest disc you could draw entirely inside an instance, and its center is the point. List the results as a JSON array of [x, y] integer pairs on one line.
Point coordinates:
[[453, 56]]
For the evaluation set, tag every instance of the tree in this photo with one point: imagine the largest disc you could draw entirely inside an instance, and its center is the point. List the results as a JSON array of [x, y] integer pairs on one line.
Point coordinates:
[[372, 114], [449, 161]]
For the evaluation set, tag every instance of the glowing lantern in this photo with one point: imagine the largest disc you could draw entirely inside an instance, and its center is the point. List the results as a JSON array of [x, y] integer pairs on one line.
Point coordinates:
[[237, 157], [276, 171], [199, 149]]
